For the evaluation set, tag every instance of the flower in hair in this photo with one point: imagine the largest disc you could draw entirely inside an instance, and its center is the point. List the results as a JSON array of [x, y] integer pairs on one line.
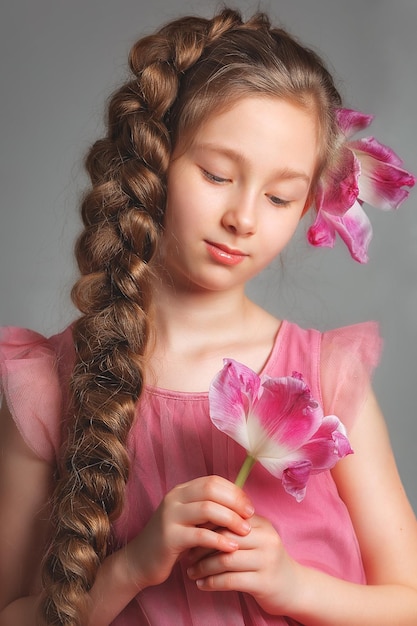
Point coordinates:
[[279, 424], [364, 171]]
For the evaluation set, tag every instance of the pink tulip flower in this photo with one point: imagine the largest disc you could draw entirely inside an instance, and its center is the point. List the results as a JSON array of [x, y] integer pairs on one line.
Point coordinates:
[[364, 171], [278, 423]]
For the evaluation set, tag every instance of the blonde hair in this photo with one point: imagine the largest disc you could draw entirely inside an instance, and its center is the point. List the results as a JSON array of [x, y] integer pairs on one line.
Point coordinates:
[[179, 75]]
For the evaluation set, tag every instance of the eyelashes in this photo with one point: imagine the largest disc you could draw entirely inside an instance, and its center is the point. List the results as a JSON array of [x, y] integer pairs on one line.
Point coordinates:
[[213, 177], [219, 180], [278, 201]]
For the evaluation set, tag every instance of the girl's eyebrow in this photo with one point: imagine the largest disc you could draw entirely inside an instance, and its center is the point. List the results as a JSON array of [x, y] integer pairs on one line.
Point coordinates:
[[239, 157]]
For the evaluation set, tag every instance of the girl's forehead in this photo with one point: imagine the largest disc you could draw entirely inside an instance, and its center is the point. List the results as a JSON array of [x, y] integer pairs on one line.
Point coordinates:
[[249, 110], [257, 130]]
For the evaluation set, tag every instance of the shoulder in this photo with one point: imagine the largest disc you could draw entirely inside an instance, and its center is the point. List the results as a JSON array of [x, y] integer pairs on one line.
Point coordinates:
[[361, 342], [361, 332], [337, 364], [34, 373], [23, 343]]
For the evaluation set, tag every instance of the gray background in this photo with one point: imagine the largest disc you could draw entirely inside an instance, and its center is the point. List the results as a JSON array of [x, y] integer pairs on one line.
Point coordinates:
[[60, 60]]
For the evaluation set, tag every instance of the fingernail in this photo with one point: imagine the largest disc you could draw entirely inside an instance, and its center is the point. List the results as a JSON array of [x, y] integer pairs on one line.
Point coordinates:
[[246, 526], [249, 510]]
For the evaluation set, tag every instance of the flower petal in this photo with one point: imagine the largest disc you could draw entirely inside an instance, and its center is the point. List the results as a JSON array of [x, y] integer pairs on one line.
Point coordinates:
[[363, 171], [339, 190], [356, 231], [278, 422], [382, 180], [328, 445], [343, 447], [276, 465], [322, 233], [294, 479], [354, 228], [351, 121], [287, 411], [378, 150], [231, 396]]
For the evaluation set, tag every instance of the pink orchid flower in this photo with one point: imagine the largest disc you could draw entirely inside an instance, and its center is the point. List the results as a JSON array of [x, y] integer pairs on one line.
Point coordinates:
[[278, 423], [365, 171]]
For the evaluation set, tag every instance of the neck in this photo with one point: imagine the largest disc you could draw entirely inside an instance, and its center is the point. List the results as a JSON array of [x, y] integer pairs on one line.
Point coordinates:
[[193, 314], [194, 331]]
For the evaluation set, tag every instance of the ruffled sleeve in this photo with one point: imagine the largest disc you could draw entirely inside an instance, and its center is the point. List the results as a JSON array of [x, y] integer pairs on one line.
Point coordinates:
[[348, 358], [34, 374]]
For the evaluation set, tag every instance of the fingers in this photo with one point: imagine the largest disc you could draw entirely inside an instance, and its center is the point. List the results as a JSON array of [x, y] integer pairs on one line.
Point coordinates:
[[219, 565], [244, 541], [191, 513], [219, 516], [208, 503], [216, 489], [210, 541], [260, 567], [188, 518], [258, 559], [226, 572]]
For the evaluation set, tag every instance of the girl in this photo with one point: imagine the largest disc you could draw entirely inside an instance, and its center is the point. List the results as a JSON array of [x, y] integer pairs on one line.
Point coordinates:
[[216, 147]]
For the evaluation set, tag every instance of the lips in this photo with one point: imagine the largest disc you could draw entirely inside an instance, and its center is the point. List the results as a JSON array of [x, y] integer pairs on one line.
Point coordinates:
[[225, 255]]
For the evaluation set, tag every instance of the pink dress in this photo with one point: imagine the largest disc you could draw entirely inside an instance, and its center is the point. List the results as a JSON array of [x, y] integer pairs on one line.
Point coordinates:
[[173, 441]]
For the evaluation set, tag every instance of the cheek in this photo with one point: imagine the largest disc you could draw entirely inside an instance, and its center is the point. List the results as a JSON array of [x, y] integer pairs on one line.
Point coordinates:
[[278, 236], [179, 219], [187, 211], [173, 209]]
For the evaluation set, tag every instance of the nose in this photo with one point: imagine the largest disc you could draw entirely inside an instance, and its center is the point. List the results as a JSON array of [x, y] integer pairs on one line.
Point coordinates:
[[240, 218]]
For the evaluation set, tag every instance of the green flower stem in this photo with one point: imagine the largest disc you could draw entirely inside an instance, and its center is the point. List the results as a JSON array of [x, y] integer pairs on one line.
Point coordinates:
[[245, 470]]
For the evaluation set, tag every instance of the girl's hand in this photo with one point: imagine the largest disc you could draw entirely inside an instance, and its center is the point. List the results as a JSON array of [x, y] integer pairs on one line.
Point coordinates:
[[187, 518], [261, 567]]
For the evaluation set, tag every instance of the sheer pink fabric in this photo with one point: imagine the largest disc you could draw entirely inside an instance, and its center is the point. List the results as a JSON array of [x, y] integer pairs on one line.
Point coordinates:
[[173, 441], [34, 374]]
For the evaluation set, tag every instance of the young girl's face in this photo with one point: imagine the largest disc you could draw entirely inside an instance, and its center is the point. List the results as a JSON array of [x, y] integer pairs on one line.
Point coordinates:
[[236, 192]]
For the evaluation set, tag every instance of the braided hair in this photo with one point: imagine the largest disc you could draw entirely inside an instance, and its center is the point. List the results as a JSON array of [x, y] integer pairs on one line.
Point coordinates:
[[187, 70]]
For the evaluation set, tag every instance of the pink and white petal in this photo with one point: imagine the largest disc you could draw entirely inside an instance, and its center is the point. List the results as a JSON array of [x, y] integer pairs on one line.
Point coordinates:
[[343, 447], [376, 149], [294, 479], [330, 425], [351, 121], [239, 375], [277, 463], [287, 412], [355, 230], [261, 445], [230, 397], [382, 196], [382, 184], [327, 447], [337, 192], [322, 233]]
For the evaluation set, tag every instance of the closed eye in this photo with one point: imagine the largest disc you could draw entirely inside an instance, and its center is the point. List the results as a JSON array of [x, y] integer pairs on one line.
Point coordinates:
[[278, 201], [213, 178]]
